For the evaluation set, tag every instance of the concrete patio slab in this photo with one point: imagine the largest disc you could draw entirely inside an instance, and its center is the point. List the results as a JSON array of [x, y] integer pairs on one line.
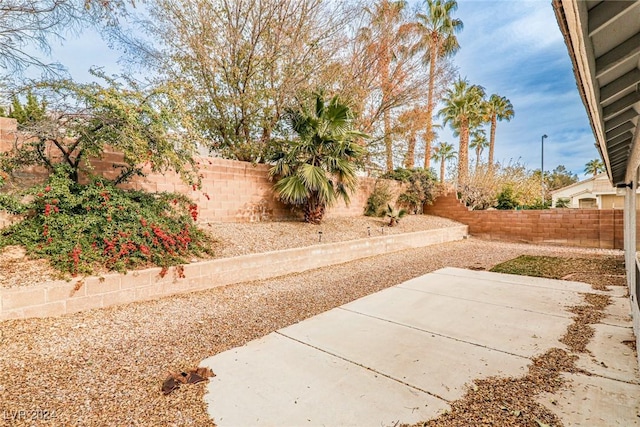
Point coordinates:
[[610, 357], [539, 282], [400, 355], [283, 382], [618, 312], [483, 289], [493, 325], [594, 401], [426, 361]]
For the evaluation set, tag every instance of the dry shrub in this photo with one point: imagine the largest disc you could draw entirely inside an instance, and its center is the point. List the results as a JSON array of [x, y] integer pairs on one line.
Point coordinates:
[[485, 184]]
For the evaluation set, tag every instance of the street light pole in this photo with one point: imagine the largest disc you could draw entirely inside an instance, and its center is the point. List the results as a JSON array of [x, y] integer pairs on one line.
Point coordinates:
[[542, 168]]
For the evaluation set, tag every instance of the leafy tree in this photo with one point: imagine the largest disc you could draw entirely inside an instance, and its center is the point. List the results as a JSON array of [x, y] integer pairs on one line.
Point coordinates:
[[38, 22], [437, 29], [410, 123], [239, 63], [496, 108], [387, 39], [594, 167], [562, 203], [478, 143], [31, 112], [443, 152], [559, 177], [149, 127], [319, 167], [463, 110]]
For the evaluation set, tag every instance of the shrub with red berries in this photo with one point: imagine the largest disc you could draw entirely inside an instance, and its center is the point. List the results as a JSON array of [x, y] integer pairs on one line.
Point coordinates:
[[84, 228]]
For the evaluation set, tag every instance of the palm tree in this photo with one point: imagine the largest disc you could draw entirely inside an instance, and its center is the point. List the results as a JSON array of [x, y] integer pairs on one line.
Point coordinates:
[[463, 110], [384, 38], [497, 108], [478, 143], [437, 31], [320, 165], [594, 167], [443, 152]]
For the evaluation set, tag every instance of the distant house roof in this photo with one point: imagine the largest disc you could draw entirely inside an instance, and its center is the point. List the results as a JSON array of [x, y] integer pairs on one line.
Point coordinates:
[[580, 183]]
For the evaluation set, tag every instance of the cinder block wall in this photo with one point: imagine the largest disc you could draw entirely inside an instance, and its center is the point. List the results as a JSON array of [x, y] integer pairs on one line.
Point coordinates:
[[231, 191], [591, 228]]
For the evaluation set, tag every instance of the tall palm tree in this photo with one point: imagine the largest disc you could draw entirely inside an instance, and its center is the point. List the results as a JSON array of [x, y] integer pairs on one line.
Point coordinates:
[[463, 110], [478, 143], [497, 108], [443, 152], [319, 167], [594, 167], [437, 31], [384, 38]]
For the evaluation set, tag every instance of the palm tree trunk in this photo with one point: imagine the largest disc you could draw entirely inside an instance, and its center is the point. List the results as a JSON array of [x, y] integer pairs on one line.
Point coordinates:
[[428, 137], [442, 169], [411, 149], [477, 157], [463, 153], [492, 140], [314, 209]]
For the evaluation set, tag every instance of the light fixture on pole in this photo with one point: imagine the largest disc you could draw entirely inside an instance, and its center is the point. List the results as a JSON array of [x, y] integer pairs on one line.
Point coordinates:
[[542, 168]]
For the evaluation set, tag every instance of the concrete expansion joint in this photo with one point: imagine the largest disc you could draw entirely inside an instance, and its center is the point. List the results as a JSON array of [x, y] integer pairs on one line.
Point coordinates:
[[606, 377], [489, 303], [365, 367], [435, 333]]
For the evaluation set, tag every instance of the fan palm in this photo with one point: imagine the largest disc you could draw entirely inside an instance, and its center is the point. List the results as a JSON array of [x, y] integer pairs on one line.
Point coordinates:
[[463, 109], [497, 108], [443, 152], [478, 143], [594, 167], [319, 167], [437, 31]]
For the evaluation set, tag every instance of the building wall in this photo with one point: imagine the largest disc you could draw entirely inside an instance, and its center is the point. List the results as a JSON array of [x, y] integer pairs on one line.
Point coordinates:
[[231, 191], [595, 228]]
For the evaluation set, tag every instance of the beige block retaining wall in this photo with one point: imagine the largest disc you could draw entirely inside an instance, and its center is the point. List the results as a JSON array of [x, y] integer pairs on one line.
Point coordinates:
[[58, 298]]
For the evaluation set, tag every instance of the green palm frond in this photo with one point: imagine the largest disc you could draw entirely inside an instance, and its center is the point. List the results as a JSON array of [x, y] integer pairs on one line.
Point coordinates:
[[291, 190], [318, 167]]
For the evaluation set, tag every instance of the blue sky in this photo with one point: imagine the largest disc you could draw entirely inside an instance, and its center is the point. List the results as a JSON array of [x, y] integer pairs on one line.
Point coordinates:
[[515, 49], [512, 48]]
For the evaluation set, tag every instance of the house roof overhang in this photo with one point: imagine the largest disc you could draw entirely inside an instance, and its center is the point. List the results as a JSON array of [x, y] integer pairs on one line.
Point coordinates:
[[603, 39]]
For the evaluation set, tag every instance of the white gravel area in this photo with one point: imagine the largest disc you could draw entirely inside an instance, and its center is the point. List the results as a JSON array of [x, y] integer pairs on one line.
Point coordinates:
[[105, 367]]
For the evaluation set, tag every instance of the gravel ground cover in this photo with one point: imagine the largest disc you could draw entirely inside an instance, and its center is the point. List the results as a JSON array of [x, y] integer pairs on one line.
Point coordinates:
[[106, 367], [230, 239]]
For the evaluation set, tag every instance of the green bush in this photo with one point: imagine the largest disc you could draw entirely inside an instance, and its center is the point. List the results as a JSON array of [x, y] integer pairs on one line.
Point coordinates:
[[507, 199], [378, 200], [420, 191], [84, 228], [562, 202]]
